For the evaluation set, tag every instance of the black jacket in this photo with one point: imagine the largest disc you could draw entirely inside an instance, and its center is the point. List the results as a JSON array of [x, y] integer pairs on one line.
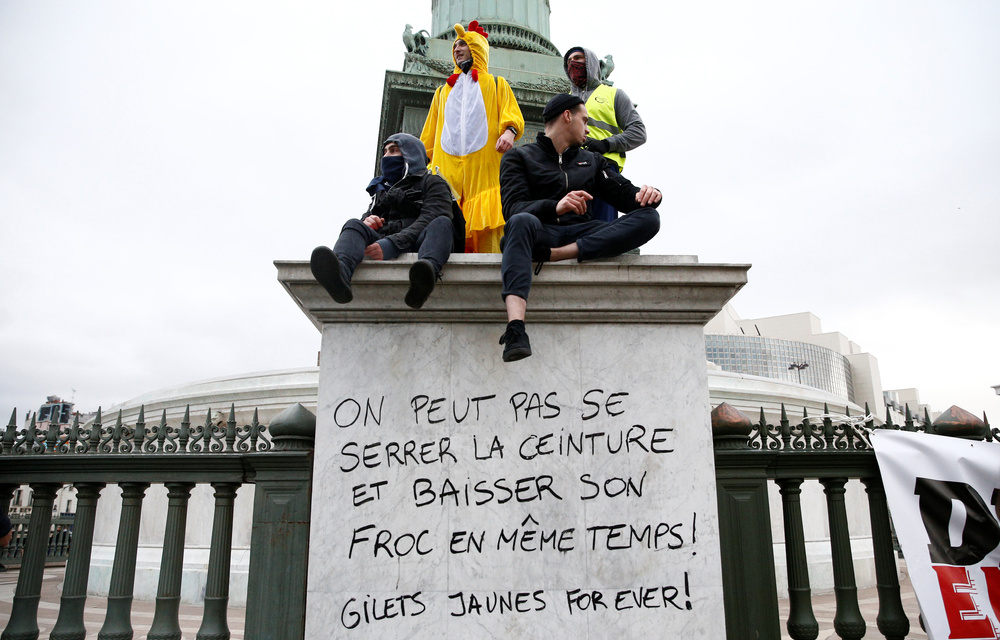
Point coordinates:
[[534, 178], [410, 204]]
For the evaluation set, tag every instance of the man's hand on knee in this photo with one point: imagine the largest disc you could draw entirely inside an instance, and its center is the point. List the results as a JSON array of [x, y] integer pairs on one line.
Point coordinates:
[[648, 195]]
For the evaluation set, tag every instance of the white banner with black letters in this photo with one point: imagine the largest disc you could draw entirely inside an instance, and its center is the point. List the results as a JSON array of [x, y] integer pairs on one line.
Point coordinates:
[[944, 497]]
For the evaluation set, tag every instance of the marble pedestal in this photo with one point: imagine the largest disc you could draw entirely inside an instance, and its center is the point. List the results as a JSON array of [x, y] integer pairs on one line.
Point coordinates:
[[568, 495]]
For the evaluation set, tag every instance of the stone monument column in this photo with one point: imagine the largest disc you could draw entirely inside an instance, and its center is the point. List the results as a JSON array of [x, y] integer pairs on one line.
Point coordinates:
[[520, 52], [514, 24], [568, 495]]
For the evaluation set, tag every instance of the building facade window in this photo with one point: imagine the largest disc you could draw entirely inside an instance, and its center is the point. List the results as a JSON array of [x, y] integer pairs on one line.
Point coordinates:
[[771, 357]]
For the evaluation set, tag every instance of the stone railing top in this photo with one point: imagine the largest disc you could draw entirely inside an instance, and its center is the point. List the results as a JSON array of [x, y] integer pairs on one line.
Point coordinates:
[[626, 289]]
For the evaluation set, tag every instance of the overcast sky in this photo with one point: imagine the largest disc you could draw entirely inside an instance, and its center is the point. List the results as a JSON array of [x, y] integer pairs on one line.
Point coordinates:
[[155, 158]]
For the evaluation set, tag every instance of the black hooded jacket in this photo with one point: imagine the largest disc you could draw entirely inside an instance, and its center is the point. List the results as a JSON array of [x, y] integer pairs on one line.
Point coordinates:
[[534, 178], [410, 204]]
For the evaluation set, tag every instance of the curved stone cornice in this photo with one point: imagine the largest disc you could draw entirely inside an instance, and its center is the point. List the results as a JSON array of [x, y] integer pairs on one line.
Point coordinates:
[[626, 289], [510, 36]]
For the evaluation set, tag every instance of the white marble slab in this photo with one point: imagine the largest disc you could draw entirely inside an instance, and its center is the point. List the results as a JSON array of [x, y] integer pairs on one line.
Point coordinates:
[[570, 559]]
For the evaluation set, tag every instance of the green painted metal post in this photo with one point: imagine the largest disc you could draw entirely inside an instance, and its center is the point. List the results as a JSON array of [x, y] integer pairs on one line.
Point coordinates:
[[69, 625], [166, 623], [751, 601], [279, 544], [118, 619], [847, 621], [214, 625], [23, 623], [6, 494], [802, 624], [891, 619]]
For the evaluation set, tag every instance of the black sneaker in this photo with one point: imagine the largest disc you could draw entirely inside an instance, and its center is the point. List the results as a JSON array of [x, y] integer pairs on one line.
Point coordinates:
[[326, 269], [3, 568], [515, 341], [422, 278]]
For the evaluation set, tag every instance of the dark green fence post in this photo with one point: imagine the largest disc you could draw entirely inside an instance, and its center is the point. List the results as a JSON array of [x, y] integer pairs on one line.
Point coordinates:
[[118, 619], [69, 625], [748, 582], [214, 624], [802, 624], [166, 624], [279, 545], [891, 619], [23, 623], [6, 494], [848, 622]]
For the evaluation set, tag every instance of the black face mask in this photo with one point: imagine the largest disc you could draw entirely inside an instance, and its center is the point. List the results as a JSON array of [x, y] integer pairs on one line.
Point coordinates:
[[393, 168]]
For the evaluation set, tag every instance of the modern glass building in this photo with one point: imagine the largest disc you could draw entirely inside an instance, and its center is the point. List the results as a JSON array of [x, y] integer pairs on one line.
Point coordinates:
[[772, 357]]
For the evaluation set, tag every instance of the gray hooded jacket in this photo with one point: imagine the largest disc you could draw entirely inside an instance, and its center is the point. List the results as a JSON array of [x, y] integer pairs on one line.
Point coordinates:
[[633, 132]]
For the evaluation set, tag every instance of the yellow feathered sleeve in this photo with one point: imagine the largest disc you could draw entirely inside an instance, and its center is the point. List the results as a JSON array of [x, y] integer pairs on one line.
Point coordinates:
[[508, 109]]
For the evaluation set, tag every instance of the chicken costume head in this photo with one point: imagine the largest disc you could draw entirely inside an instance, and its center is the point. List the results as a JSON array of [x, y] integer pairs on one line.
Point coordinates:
[[476, 38]]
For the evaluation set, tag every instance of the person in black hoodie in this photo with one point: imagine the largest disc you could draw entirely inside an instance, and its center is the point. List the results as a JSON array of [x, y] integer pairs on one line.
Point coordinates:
[[546, 188], [410, 210]]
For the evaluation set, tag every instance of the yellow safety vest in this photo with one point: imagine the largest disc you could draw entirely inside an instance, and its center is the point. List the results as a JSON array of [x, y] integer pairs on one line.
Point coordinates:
[[601, 119]]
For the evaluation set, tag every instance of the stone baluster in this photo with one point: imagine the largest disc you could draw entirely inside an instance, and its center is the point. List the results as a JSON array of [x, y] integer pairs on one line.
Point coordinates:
[[166, 624], [214, 625], [891, 619], [801, 623], [69, 625], [117, 620], [23, 623], [847, 621]]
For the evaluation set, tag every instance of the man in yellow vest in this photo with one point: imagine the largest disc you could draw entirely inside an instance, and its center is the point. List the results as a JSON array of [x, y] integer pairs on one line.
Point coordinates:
[[615, 125]]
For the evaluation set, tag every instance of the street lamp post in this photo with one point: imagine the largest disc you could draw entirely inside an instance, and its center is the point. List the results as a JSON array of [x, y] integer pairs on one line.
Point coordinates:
[[798, 366]]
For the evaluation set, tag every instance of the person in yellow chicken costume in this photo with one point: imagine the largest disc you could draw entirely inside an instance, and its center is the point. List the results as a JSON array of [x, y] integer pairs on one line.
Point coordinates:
[[474, 118]]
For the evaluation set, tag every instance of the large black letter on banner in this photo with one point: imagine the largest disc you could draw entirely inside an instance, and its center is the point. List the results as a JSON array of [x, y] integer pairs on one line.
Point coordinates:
[[980, 535]]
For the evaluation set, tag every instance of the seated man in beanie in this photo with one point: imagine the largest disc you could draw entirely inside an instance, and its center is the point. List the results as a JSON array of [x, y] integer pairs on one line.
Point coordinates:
[[411, 210], [6, 534], [546, 188]]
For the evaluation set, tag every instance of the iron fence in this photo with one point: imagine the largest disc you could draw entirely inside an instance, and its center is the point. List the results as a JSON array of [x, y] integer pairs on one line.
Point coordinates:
[[834, 451], [278, 460]]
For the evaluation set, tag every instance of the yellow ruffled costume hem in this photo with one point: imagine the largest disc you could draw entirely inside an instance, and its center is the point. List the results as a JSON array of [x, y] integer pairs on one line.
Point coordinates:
[[483, 222]]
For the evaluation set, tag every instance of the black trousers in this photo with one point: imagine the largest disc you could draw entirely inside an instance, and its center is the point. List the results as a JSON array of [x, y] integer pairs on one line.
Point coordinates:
[[596, 239], [433, 244]]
